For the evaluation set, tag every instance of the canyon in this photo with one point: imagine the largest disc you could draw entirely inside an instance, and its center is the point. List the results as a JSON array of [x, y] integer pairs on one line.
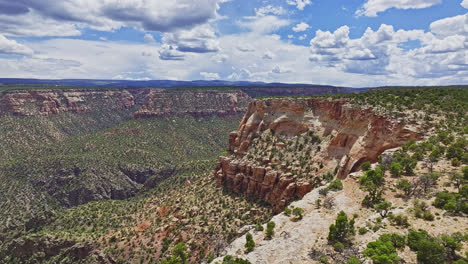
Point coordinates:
[[351, 134], [148, 102]]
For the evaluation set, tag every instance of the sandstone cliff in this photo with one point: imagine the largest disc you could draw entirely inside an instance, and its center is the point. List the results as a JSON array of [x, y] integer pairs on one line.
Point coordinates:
[[301, 139], [146, 102]]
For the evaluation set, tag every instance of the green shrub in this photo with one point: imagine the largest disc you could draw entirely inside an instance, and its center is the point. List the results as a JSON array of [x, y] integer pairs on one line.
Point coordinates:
[[383, 208], [430, 252], [382, 251], [228, 259], [396, 169], [287, 211], [335, 185], [249, 243], [258, 227], [298, 213], [338, 247], [362, 230], [270, 230], [342, 229], [353, 260], [400, 220], [366, 166]]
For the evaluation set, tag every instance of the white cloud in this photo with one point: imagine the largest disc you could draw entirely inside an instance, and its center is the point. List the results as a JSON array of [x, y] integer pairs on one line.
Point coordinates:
[[457, 25], [168, 52], [280, 69], [156, 15], [11, 47], [148, 38], [201, 39], [268, 55], [372, 7], [270, 10], [264, 24], [300, 4], [210, 75], [464, 4], [328, 40], [301, 27]]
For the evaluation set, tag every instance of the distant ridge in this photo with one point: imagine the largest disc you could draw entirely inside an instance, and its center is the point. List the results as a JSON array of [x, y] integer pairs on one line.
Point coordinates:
[[151, 83]]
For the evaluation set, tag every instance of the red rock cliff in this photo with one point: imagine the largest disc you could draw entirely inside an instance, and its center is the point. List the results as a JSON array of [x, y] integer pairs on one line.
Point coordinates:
[[351, 135], [146, 102]]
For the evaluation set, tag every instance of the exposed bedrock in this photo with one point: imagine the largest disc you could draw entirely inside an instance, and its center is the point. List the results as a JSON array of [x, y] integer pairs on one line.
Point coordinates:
[[144, 101], [352, 135]]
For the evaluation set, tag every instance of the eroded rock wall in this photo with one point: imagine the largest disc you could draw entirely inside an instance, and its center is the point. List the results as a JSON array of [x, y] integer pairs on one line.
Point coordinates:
[[352, 135], [147, 102]]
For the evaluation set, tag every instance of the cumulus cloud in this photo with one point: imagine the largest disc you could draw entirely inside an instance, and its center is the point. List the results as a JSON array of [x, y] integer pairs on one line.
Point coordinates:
[[210, 75], [269, 10], [300, 4], [328, 40], [264, 24], [372, 7], [157, 15], [11, 47], [380, 52], [464, 4], [148, 38], [168, 52], [457, 25], [201, 39], [301, 27]]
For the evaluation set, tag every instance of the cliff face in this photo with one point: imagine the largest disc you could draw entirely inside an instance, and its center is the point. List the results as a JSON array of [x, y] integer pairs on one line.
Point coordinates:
[[148, 102], [196, 103], [50, 102], [345, 136]]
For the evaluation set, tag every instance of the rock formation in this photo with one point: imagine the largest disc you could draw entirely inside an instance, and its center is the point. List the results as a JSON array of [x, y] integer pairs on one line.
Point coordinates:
[[351, 134], [147, 102]]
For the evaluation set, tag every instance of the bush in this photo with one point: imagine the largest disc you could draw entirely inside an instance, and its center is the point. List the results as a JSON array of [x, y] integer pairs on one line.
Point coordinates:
[[400, 220], [452, 202], [415, 237], [270, 230], [362, 230], [396, 169], [338, 247], [342, 229], [366, 166], [383, 208], [398, 241], [228, 259], [258, 227], [335, 185], [382, 251], [298, 213], [405, 186], [430, 252], [249, 243], [287, 211], [373, 182], [353, 260]]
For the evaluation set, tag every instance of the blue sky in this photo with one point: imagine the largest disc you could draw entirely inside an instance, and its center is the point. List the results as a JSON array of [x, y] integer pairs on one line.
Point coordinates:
[[343, 42]]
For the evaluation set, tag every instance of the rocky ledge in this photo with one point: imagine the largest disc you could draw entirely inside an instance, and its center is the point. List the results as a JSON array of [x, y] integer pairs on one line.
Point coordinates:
[[350, 135], [144, 102]]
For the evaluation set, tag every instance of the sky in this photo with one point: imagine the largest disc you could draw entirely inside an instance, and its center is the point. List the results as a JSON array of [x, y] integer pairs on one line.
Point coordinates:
[[358, 43]]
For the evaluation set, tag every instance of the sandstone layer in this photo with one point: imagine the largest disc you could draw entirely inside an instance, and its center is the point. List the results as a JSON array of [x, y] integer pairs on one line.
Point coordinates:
[[351, 134], [145, 102]]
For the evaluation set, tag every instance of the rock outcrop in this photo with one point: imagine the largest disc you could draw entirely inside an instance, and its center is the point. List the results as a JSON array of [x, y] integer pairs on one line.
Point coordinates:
[[351, 135], [196, 103], [146, 102]]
